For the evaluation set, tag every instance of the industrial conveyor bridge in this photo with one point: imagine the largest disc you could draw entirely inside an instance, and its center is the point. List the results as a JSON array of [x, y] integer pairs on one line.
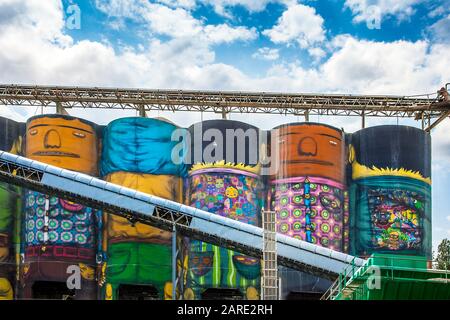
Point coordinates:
[[430, 109]]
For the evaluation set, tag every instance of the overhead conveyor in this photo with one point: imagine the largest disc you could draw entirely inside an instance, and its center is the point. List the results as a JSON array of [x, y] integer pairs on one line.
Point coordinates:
[[167, 215]]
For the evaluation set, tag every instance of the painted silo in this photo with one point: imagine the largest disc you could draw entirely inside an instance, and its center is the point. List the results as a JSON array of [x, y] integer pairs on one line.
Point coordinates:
[[59, 234], [224, 180], [308, 193], [137, 153], [10, 200], [390, 191]]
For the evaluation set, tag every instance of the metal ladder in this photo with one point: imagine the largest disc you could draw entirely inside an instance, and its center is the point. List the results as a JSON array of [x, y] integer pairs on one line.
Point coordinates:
[[269, 262]]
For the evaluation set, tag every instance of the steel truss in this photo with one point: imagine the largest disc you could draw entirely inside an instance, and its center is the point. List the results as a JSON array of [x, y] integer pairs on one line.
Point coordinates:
[[223, 102]]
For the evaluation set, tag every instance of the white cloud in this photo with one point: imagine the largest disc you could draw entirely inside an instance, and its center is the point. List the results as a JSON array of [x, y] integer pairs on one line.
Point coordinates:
[[223, 33], [438, 8], [299, 23], [440, 31], [38, 19], [441, 146], [175, 22], [222, 6], [317, 53], [354, 66], [188, 4], [266, 54], [367, 10]]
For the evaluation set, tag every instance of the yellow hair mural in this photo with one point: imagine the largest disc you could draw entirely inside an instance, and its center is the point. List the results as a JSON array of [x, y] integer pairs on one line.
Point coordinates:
[[223, 165], [360, 171]]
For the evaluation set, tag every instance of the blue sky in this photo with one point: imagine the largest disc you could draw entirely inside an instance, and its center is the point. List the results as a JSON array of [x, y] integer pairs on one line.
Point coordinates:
[[338, 19], [348, 46]]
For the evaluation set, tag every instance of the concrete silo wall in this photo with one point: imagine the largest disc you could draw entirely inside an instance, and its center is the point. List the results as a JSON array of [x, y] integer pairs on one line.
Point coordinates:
[[137, 153], [227, 184], [390, 191], [11, 136], [58, 234], [309, 193]]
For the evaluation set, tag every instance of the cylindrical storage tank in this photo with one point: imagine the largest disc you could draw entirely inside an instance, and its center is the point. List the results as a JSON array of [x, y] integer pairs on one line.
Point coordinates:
[[11, 133], [59, 234], [224, 180], [308, 192], [390, 191], [138, 153]]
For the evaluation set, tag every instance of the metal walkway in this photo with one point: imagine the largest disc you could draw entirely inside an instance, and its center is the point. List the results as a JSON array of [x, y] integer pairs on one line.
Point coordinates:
[[164, 214]]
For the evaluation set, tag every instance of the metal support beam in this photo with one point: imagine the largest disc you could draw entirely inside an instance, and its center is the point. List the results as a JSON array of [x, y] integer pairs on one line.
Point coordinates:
[[142, 112], [363, 120], [60, 109], [439, 120], [174, 263]]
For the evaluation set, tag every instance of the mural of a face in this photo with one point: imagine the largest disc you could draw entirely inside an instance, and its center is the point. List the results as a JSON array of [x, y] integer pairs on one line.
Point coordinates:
[[311, 150], [64, 142]]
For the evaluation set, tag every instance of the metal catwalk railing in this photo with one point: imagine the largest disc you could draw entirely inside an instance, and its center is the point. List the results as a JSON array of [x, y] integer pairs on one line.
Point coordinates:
[[164, 214], [357, 279]]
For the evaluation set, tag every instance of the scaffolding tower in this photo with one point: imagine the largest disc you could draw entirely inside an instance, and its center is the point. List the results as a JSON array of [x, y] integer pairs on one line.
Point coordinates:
[[269, 264]]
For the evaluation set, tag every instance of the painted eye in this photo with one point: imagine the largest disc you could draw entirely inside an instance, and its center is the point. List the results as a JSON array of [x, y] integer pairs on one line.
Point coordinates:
[[79, 135], [33, 132]]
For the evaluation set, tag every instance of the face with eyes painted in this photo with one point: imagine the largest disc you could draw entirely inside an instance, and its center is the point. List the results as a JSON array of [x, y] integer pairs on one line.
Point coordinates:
[[311, 150], [64, 142]]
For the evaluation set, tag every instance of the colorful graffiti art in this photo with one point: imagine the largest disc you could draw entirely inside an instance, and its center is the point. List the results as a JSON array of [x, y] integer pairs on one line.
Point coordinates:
[[230, 195], [67, 223], [309, 194], [63, 141], [11, 133], [234, 194], [390, 191], [395, 218], [309, 149], [139, 254], [137, 153], [390, 215], [56, 233], [120, 229], [311, 209]]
